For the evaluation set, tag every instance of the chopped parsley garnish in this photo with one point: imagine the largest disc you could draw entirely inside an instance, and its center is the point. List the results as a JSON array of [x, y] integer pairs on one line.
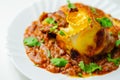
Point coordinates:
[[82, 65], [111, 33], [59, 62], [53, 28], [93, 10], [89, 20], [119, 35], [42, 40], [105, 22], [48, 53], [115, 61], [80, 74], [31, 41], [61, 32], [70, 5], [89, 68], [117, 43], [49, 20], [37, 65]]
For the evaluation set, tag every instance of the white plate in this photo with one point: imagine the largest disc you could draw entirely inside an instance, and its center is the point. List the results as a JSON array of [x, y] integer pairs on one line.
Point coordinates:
[[31, 13]]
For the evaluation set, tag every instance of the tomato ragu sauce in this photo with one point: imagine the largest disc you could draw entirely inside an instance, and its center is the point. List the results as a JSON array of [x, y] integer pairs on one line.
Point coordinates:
[[77, 40]]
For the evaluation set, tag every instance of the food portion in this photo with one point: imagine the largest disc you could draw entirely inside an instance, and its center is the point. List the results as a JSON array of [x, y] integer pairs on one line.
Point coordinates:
[[77, 40]]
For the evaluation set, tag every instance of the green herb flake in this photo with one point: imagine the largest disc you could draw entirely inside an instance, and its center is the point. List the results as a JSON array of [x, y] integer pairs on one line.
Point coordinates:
[[119, 35], [92, 67], [105, 22], [42, 41], [38, 44], [93, 10], [53, 28], [117, 43], [52, 21], [70, 5], [37, 65], [80, 74], [111, 33], [48, 53], [61, 32], [59, 62], [115, 61], [89, 68], [82, 65], [49, 20], [89, 20], [31, 41]]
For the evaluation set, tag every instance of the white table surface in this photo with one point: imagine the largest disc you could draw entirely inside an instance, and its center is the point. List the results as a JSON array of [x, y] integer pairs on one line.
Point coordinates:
[[8, 9]]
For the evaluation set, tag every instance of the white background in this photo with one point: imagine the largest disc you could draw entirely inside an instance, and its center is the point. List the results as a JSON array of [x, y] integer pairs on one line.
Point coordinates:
[[8, 9]]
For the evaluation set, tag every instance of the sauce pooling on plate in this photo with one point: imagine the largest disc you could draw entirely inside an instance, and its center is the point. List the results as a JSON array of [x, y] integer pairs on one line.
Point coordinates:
[[76, 40]]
